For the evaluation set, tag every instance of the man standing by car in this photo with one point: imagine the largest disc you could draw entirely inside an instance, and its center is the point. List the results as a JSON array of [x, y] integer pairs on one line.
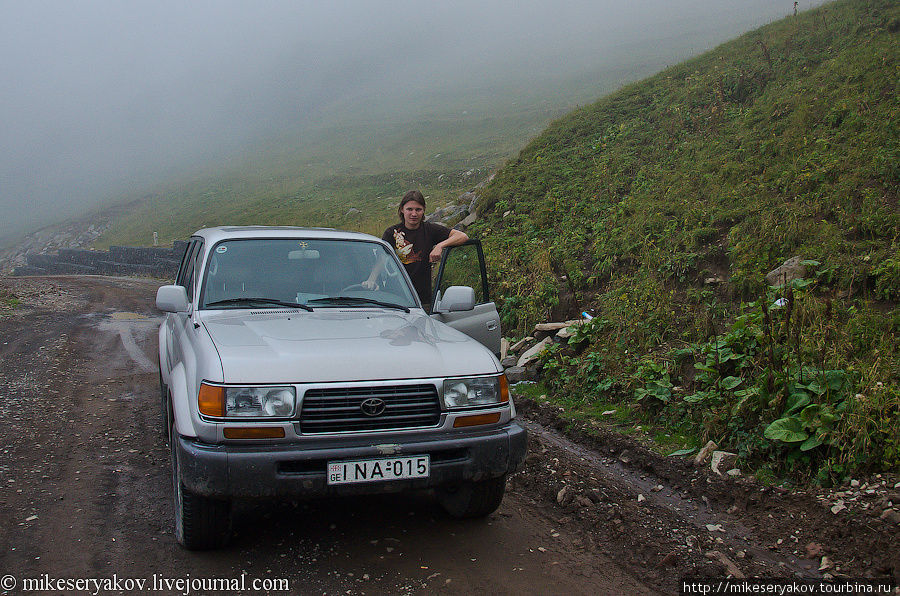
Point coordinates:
[[418, 244]]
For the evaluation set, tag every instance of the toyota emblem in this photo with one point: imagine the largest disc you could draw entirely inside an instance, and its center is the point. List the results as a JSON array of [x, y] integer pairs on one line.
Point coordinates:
[[374, 406]]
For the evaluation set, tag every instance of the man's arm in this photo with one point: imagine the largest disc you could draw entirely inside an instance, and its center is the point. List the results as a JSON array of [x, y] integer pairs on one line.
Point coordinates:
[[369, 283], [455, 238]]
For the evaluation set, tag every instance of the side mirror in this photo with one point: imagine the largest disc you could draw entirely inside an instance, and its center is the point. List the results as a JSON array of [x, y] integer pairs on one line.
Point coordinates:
[[455, 299], [172, 299]]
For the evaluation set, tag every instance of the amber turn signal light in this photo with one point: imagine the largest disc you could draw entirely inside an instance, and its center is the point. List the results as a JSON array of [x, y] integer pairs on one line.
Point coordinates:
[[476, 420], [211, 400], [254, 432]]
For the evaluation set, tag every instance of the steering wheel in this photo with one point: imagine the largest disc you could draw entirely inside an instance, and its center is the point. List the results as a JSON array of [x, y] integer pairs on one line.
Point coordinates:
[[353, 287]]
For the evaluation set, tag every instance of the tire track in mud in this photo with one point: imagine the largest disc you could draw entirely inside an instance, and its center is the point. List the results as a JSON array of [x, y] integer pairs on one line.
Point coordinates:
[[755, 530], [684, 516]]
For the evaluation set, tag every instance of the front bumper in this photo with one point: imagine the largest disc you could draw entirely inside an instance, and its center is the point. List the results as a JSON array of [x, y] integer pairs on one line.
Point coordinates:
[[266, 470]]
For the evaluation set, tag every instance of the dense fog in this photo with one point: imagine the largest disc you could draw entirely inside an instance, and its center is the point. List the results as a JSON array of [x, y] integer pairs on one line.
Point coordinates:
[[100, 99]]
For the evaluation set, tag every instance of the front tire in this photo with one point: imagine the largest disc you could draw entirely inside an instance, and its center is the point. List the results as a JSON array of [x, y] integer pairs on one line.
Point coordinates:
[[201, 523], [473, 499]]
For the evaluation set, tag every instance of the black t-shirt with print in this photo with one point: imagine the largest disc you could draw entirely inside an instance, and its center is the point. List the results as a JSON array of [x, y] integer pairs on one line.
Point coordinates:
[[413, 248]]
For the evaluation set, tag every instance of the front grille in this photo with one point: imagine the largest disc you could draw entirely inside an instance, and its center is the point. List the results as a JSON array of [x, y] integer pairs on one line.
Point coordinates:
[[332, 410]]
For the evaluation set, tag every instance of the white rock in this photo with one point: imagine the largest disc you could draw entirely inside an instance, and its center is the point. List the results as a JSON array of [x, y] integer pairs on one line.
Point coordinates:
[[520, 344], [641, 498], [704, 453], [826, 564], [722, 460], [504, 347], [532, 353], [566, 332], [788, 271], [554, 326], [854, 483], [715, 527], [733, 472], [838, 507]]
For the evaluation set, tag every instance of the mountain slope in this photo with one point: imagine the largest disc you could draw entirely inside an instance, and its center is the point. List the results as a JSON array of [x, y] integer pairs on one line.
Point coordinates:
[[663, 205]]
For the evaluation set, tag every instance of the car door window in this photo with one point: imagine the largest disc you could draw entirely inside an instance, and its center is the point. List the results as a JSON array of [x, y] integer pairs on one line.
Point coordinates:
[[190, 254], [463, 265], [192, 271]]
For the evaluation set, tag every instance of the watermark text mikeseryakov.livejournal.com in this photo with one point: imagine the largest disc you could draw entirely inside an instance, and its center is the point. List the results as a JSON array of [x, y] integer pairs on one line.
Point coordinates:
[[186, 585]]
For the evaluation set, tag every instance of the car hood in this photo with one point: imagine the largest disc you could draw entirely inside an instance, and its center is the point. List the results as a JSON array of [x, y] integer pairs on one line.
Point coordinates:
[[330, 345]]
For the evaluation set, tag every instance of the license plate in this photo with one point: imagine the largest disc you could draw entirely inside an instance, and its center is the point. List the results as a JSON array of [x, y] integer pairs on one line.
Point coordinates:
[[378, 470]]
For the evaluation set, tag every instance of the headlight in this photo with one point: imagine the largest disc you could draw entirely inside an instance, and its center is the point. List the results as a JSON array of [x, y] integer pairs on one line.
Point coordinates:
[[247, 402], [259, 401], [478, 391]]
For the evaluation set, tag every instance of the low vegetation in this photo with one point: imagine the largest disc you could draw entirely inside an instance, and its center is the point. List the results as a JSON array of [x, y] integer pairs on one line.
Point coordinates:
[[8, 301], [348, 177], [660, 209]]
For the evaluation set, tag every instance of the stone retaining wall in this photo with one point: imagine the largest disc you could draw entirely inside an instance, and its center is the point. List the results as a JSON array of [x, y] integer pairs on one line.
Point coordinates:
[[118, 260]]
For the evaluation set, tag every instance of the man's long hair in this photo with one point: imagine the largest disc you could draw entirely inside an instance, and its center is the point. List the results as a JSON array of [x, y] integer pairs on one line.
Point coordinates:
[[413, 195]]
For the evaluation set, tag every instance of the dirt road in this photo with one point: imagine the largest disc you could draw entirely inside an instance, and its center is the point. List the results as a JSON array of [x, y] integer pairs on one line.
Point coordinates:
[[85, 492]]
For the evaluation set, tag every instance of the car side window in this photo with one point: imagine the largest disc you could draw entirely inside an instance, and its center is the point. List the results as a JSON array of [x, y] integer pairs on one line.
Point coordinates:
[[186, 261], [193, 269], [463, 265]]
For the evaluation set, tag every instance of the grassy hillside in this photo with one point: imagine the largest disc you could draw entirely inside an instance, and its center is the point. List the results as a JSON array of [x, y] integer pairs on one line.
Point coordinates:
[[661, 208], [318, 177], [363, 155]]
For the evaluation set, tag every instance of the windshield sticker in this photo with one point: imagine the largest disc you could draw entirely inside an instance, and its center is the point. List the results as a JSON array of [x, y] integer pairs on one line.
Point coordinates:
[[221, 249]]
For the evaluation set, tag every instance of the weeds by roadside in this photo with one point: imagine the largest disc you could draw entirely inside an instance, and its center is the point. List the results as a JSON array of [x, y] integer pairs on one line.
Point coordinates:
[[661, 207], [788, 386], [8, 301]]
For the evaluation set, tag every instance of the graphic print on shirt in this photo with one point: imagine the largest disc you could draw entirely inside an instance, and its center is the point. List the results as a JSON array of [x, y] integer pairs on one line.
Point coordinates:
[[405, 249]]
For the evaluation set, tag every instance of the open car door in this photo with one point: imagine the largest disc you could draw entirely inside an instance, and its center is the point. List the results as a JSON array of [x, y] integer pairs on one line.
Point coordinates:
[[463, 265]]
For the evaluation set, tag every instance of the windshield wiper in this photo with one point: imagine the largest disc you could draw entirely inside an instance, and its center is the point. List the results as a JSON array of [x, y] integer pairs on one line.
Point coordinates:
[[271, 301], [356, 300]]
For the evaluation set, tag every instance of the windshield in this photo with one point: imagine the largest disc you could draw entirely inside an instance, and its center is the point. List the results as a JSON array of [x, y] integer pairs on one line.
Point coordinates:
[[277, 272]]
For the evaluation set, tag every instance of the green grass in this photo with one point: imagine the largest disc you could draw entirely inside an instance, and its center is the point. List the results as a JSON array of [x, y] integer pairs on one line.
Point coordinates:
[[8, 301], [625, 419], [782, 142], [365, 157], [348, 176]]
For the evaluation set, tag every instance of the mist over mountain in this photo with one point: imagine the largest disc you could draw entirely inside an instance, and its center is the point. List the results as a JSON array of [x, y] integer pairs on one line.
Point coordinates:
[[101, 99]]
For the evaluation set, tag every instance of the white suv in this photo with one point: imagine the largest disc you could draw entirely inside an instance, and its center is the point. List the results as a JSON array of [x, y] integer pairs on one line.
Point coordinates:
[[281, 375]]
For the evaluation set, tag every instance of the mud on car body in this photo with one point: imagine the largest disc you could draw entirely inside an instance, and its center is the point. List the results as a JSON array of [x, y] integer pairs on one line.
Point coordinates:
[[282, 376]]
